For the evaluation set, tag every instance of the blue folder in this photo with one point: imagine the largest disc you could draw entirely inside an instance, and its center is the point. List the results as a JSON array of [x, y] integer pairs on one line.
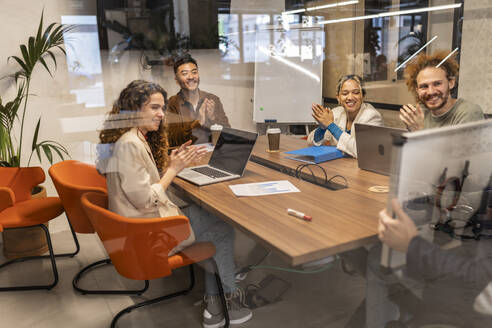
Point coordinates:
[[315, 154]]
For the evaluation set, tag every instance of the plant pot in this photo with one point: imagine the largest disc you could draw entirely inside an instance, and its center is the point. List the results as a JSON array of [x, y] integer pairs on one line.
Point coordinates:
[[28, 241]]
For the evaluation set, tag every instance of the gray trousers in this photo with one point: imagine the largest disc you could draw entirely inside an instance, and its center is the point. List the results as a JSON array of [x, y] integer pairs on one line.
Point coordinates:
[[208, 228]]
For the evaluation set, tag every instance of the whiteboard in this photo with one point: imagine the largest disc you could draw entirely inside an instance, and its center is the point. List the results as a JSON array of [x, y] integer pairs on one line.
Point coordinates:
[[288, 74]]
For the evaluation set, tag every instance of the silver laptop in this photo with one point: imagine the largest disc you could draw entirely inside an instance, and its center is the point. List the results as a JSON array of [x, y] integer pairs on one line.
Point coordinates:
[[374, 145], [228, 161]]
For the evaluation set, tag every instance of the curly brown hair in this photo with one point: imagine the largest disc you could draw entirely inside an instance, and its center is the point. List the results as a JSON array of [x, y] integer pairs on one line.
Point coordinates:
[[450, 66], [124, 114]]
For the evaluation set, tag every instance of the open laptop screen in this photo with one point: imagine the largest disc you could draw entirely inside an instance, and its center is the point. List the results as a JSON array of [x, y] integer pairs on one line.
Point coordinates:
[[232, 150]]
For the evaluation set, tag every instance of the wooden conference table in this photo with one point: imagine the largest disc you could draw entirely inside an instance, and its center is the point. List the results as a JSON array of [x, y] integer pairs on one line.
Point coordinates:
[[344, 219]]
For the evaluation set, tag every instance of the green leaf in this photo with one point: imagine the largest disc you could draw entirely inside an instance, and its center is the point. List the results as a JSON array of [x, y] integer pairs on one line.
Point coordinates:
[[20, 62], [57, 145], [35, 138], [41, 60], [33, 57], [58, 152], [49, 52], [62, 50], [25, 54], [40, 28], [46, 33], [47, 152], [38, 35]]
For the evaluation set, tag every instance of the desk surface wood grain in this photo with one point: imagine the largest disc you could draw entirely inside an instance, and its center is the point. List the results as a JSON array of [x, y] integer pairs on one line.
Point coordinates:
[[342, 220], [359, 181]]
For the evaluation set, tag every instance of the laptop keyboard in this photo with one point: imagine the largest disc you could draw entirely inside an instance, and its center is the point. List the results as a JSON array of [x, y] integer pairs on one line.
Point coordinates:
[[211, 172]]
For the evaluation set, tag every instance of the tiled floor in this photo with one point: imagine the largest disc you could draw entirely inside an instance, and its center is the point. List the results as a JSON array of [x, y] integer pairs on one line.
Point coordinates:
[[325, 299]]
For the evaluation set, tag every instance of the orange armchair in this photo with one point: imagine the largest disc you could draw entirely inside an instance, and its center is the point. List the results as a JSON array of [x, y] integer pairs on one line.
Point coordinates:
[[72, 179], [139, 247], [18, 210]]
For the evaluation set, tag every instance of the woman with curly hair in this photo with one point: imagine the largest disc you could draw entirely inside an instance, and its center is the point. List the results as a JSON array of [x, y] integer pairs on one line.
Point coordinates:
[[133, 155]]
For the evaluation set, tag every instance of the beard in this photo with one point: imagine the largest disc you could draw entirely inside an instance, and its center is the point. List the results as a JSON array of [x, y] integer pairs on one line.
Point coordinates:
[[442, 97]]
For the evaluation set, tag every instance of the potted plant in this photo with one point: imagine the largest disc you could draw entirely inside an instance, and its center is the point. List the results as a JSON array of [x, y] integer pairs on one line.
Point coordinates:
[[41, 49]]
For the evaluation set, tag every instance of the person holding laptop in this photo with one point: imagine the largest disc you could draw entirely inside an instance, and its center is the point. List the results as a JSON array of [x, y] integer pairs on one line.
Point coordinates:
[[431, 78], [133, 155], [192, 111], [454, 284], [336, 125]]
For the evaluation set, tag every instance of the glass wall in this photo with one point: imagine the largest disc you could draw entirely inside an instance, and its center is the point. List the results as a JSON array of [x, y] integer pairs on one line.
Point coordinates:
[[267, 63]]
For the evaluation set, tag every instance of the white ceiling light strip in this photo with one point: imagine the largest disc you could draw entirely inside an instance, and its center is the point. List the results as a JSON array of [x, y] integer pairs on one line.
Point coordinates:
[[338, 4], [391, 13]]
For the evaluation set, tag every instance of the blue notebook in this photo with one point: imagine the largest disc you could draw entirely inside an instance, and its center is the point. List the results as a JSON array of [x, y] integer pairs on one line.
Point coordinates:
[[315, 154]]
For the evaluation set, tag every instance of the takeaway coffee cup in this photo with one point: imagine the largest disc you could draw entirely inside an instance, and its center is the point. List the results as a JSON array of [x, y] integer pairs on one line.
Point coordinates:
[[216, 129], [273, 135]]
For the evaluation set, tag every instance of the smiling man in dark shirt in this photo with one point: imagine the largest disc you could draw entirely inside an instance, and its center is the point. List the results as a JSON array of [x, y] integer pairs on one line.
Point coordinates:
[[191, 112]]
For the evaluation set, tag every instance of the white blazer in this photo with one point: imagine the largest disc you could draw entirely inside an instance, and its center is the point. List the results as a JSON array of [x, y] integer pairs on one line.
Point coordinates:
[[133, 181], [366, 115]]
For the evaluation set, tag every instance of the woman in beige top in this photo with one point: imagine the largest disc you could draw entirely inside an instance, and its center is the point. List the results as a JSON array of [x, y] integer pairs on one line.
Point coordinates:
[[133, 155]]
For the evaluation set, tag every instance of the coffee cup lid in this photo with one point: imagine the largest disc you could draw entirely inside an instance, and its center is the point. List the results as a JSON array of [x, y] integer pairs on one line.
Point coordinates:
[[216, 127], [273, 130]]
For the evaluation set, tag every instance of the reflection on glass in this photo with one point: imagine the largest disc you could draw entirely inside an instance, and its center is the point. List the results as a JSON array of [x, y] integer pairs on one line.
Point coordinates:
[[84, 60], [385, 43], [229, 33]]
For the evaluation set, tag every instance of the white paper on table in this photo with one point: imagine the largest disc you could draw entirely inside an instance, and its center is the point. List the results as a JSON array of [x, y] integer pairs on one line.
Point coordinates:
[[263, 188]]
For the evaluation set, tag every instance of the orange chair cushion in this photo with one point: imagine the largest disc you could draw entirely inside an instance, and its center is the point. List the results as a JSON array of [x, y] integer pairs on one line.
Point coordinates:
[[31, 212], [195, 253]]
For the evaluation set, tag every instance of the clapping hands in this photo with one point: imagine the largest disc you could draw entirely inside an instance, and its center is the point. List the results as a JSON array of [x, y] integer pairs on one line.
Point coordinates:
[[412, 116], [322, 115], [206, 111], [186, 155]]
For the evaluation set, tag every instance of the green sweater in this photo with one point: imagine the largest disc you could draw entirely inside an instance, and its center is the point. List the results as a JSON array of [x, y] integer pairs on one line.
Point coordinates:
[[462, 112]]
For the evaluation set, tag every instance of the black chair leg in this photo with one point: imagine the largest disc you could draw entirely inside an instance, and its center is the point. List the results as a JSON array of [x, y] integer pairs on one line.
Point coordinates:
[[156, 300], [75, 240], [24, 259], [95, 265]]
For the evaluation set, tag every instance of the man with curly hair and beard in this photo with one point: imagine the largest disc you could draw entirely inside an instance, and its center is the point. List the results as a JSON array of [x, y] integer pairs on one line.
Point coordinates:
[[431, 78]]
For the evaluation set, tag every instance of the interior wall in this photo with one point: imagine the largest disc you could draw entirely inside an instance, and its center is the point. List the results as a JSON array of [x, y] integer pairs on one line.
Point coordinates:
[[339, 47], [475, 81]]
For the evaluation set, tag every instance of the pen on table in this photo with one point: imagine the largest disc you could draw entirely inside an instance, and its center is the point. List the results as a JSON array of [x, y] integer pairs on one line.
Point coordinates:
[[299, 215]]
